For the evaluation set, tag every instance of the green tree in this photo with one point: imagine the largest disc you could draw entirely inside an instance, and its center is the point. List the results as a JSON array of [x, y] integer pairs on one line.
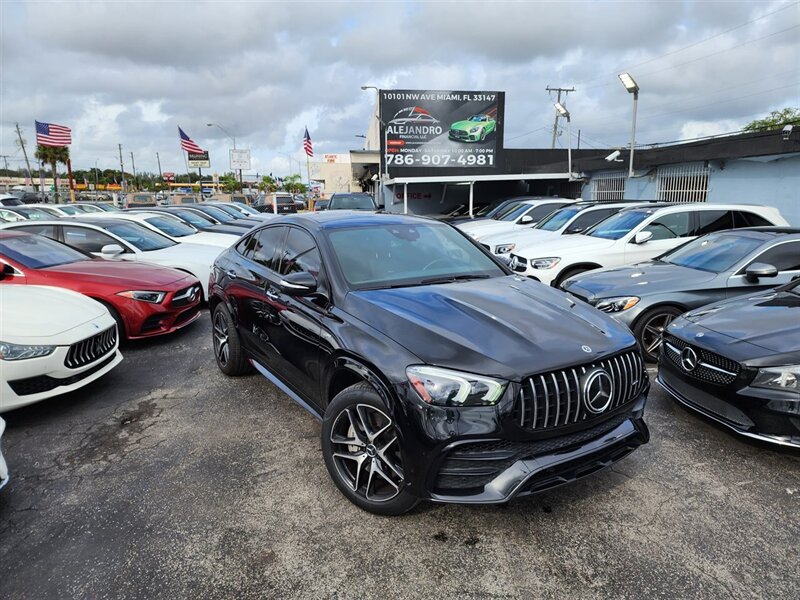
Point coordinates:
[[229, 184], [268, 184], [52, 155], [777, 119], [293, 184]]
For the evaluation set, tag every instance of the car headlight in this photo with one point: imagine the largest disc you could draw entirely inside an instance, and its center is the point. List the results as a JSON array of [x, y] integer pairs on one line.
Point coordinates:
[[778, 378], [475, 130], [443, 387], [144, 296], [504, 248], [617, 304], [23, 351], [545, 263]]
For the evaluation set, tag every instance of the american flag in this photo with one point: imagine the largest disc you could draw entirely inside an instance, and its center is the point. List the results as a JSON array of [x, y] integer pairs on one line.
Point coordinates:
[[50, 134], [307, 144], [187, 143]]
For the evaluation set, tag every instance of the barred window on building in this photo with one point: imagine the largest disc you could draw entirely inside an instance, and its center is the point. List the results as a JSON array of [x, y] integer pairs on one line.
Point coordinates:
[[683, 183], [609, 187]]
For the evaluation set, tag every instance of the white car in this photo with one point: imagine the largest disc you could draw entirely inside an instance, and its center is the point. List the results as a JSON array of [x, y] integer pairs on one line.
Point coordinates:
[[60, 210], [120, 239], [173, 228], [521, 216], [52, 341], [571, 219], [634, 235], [3, 465]]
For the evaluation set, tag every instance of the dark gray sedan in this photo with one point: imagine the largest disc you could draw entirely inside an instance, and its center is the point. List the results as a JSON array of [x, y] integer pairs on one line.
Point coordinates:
[[649, 295]]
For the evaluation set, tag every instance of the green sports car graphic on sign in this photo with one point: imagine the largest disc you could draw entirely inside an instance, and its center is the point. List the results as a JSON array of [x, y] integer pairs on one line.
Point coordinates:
[[474, 129]]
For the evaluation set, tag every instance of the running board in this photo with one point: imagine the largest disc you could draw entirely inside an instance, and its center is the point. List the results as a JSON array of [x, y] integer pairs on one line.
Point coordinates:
[[285, 389]]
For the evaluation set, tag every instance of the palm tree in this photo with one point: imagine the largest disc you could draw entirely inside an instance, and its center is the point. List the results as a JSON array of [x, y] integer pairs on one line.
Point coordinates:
[[53, 155], [291, 183], [268, 184]]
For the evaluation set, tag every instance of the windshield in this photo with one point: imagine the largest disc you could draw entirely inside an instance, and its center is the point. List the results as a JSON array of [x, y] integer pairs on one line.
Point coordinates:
[[476, 118], [38, 252], [715, 253], [620, 224], [398, 255], [515, 213], [68, 209], [351, 202], [171, 227], [139, 236], [106, 207], [229, 210], [558, 219], [194, 219], [219, 215], [246, 209], [504, 210], [35, 214]]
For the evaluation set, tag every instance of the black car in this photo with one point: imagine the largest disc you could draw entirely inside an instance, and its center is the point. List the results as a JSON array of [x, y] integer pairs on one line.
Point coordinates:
[[647, 296], [738, 363], [283, 204], [353, 201], [437, 374]]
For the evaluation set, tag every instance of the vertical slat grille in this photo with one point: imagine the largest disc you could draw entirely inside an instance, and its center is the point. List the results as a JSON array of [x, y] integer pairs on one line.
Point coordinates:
[[91, 349], [683, 183], [609, 187], [555, 399]]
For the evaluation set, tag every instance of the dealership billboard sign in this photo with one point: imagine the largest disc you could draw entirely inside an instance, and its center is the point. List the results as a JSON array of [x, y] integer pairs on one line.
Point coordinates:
[[453, 132], [240, 159], [199, 159]]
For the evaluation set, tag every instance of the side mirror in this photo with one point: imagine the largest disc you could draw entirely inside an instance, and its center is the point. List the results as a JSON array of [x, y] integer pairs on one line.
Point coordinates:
[[298, 284], [6, 271], [525, 220], [111, 250], [642, 237], [757, 270]]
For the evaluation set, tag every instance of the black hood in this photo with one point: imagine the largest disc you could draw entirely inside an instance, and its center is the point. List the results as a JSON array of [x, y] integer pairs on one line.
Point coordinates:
[[753, 327], [637, 280], [509, 326]]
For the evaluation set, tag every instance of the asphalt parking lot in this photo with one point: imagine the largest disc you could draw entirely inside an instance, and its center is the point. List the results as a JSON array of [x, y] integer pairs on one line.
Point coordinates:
[[166, 479]]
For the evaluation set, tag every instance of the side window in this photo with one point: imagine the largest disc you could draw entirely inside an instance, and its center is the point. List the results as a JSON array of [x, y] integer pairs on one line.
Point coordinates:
[[709, 221], [9, 216], [300, 254], [784, 257], [540, 212], [266, 247], [245, 247], [742, 218], [670, 226], [88, 240], [589, 218], [45, 230]]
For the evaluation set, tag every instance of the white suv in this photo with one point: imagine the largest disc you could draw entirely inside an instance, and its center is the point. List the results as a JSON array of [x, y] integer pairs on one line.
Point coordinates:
[[571, 219], [634, 235], [520, 216]]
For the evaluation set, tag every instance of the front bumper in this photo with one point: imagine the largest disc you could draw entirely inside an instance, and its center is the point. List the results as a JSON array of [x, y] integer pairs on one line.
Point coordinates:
[[483, 456], [755, 413], [179, 309]]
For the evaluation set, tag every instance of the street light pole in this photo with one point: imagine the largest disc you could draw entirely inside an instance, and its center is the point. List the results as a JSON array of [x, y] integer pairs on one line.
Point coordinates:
[[562, 110], [96, 186], [633, 88], [384, 147]]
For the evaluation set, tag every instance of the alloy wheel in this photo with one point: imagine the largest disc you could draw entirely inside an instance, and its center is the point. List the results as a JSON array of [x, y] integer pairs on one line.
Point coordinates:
[[366, 452], [653, 328], [221, 346]]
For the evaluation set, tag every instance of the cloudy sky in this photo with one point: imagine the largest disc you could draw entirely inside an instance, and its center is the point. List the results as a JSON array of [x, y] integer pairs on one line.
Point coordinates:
[[130, 73]]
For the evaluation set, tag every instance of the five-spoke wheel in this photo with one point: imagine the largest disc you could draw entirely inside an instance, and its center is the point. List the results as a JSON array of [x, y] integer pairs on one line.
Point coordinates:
[[650, 327]]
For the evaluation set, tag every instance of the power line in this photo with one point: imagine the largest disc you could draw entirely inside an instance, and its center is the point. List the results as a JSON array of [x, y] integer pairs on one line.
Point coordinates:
[[692, 45]]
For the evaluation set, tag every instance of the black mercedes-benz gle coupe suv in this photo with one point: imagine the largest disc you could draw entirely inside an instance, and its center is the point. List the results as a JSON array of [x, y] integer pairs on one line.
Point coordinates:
[[436, 372]]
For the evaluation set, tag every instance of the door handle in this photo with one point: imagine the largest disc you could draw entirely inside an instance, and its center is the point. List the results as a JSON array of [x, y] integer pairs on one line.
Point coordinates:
[[232, 274], [271, 294]]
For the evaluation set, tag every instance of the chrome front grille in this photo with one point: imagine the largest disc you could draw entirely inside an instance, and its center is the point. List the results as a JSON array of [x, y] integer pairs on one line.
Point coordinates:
[[556, 398], [711, 367], [186, 296], [91, 349]]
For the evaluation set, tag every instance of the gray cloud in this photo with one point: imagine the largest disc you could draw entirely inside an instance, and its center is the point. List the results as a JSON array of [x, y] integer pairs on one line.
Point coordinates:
[[130, 73]]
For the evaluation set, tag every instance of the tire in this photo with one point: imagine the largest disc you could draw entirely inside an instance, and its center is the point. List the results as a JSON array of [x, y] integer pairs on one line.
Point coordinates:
[[369, 469], [228, 351], [483, 134], [121, 331], [567, 274], [649, 326]]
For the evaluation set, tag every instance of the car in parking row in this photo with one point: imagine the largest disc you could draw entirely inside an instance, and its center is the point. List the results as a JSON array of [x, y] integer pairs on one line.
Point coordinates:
[[525, 214], [633, 235]]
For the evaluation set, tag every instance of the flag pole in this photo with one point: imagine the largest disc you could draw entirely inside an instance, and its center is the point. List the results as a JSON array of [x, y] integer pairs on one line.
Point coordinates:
[[185, 160]]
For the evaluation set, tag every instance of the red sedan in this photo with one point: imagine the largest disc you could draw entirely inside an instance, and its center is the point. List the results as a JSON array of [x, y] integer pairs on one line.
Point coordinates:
[[146, 300]]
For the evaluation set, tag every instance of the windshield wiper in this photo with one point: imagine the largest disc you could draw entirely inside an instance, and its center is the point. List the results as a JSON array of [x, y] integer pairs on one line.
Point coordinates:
[[452, 278]]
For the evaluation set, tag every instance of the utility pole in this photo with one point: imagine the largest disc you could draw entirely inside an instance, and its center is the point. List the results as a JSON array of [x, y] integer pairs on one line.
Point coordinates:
[[158, 158], [133, 166], [121, 168], [555, 122], [24, 153], [5, 159]]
